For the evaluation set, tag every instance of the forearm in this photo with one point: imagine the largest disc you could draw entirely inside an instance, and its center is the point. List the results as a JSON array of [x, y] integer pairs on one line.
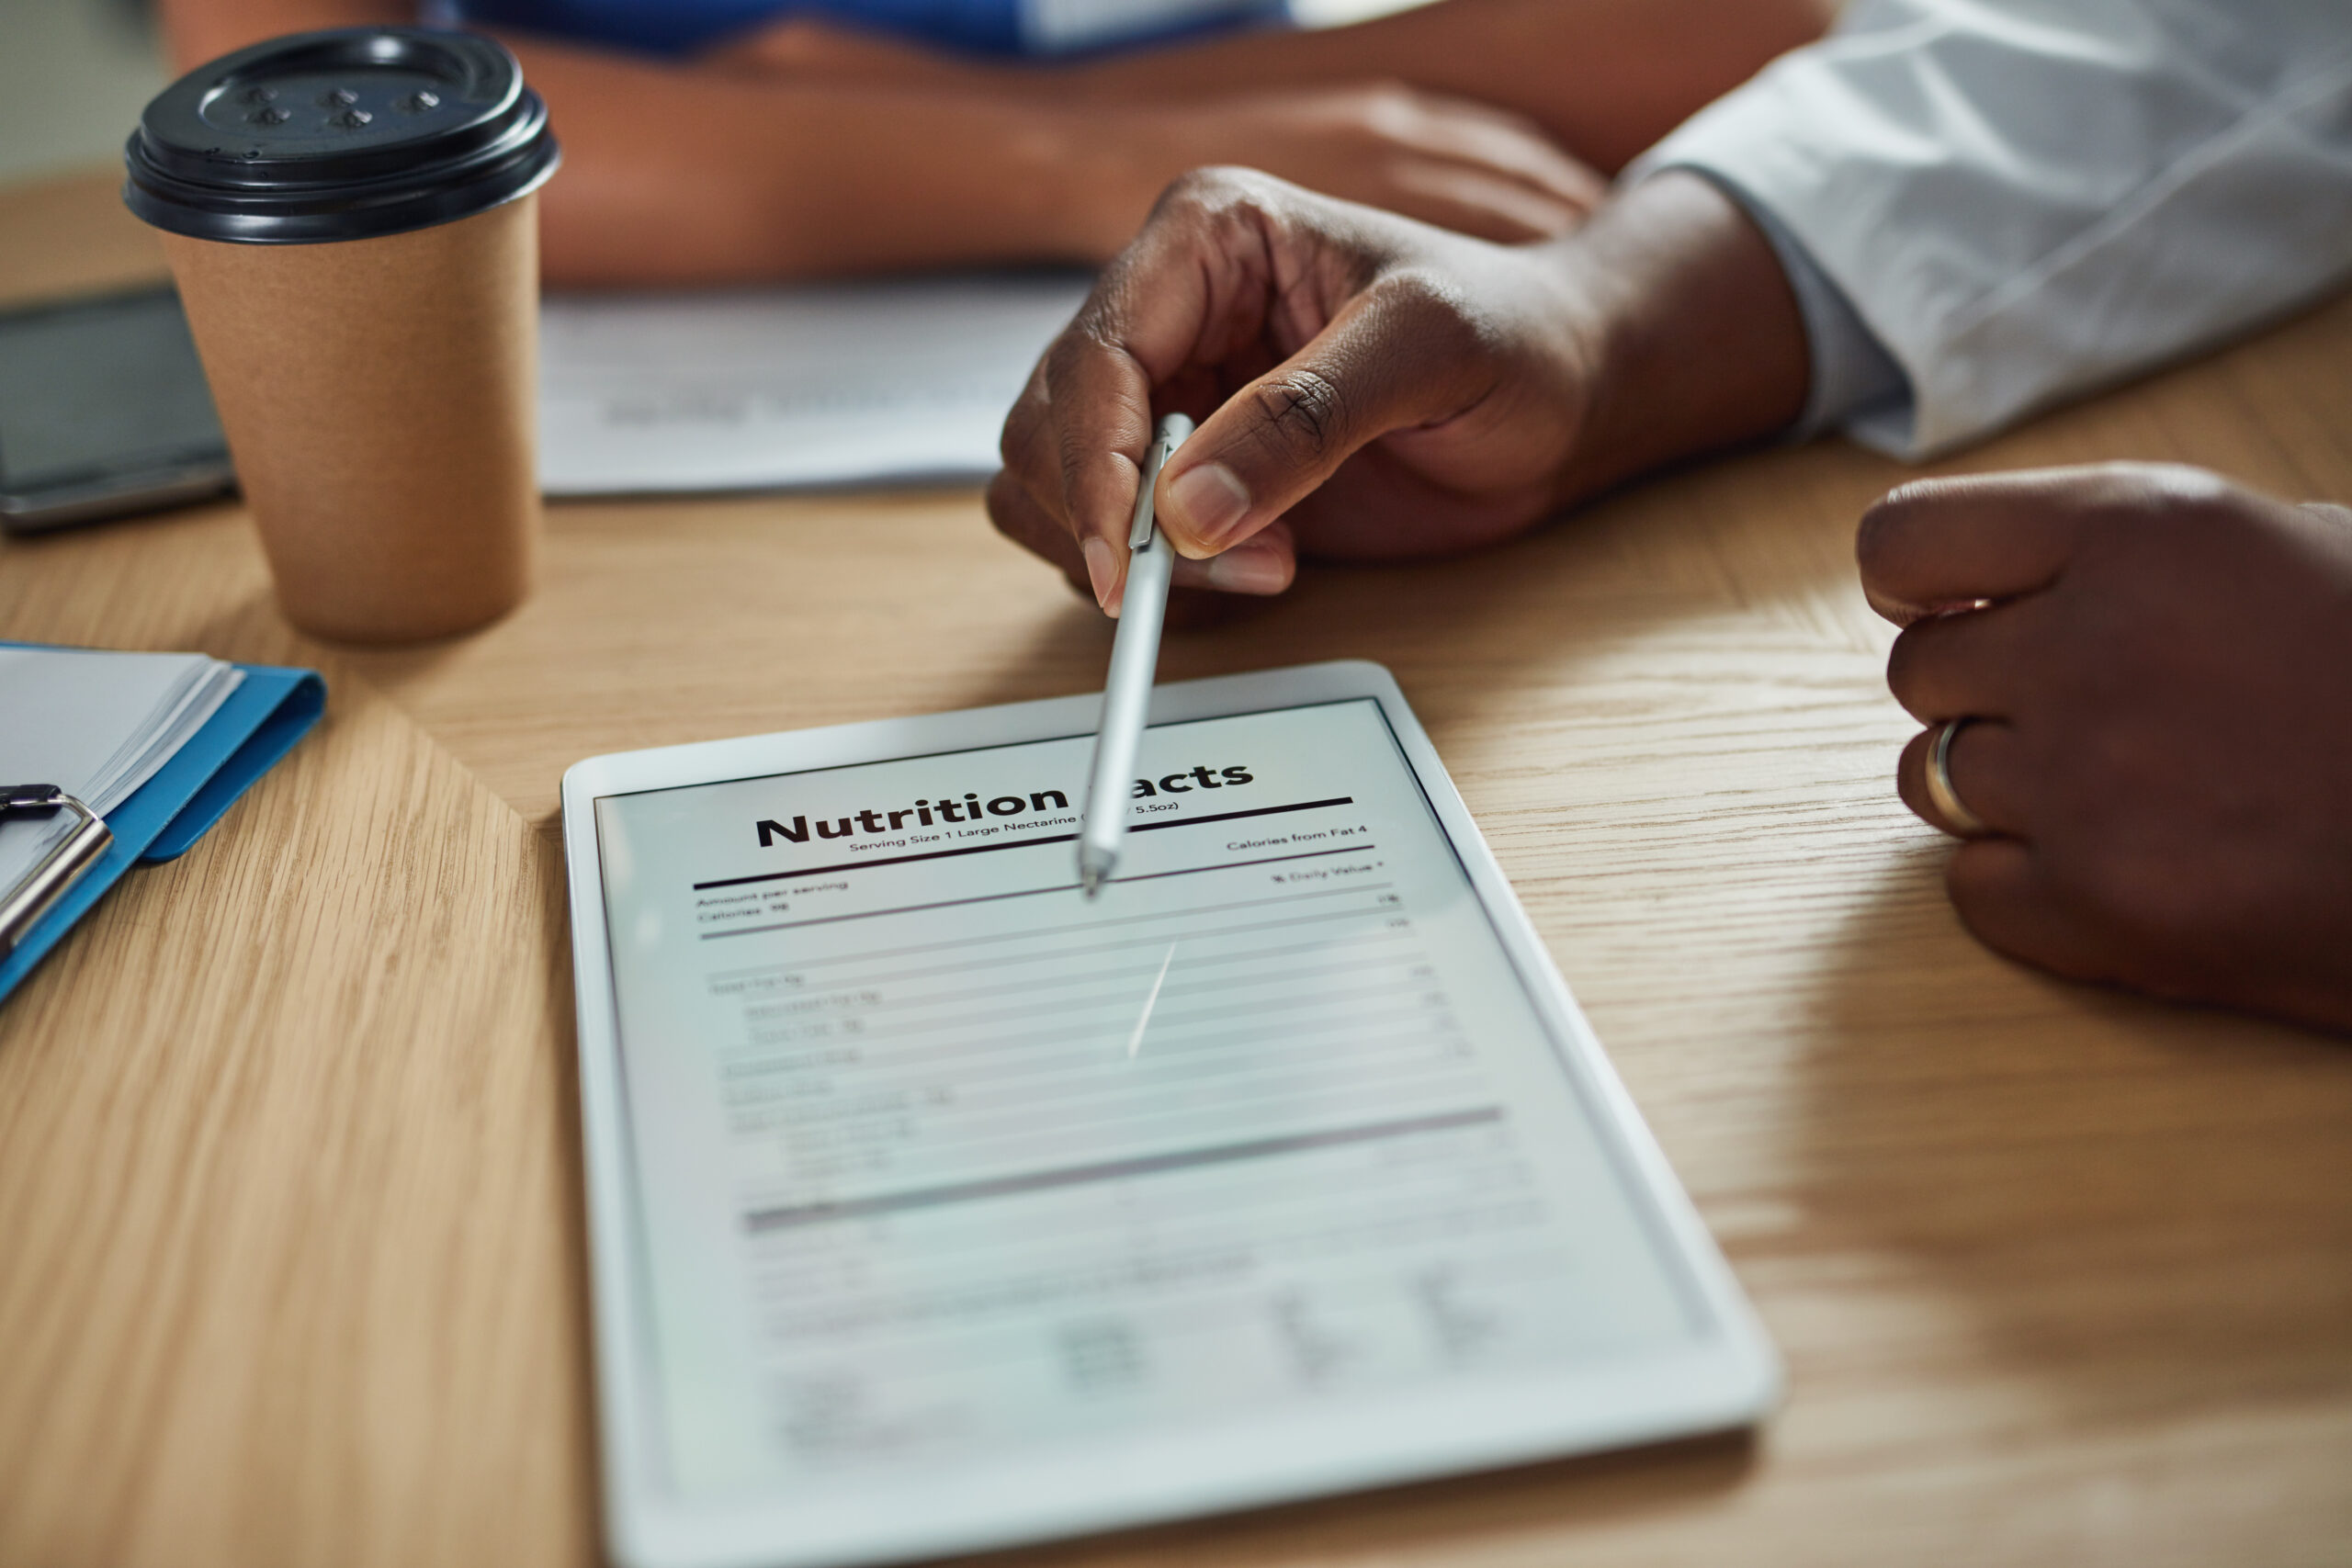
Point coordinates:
[[1606, 77], [1692, 335], [2025, 214], [679, 176], [198, 30], [687, 175]]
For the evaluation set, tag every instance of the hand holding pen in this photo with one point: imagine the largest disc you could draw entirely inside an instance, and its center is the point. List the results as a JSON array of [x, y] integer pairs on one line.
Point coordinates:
[[1369, 387]]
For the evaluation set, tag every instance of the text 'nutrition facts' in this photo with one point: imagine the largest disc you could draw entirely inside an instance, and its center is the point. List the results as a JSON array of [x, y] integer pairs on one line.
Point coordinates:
[[938, 1158]]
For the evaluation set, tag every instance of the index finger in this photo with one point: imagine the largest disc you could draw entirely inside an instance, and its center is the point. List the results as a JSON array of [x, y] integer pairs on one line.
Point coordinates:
[[1190, 285], [1942, 545]]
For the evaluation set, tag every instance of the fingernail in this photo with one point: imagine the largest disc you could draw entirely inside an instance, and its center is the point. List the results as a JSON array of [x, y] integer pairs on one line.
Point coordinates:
[[1245, 570], [1101, 569], [1208, 502]]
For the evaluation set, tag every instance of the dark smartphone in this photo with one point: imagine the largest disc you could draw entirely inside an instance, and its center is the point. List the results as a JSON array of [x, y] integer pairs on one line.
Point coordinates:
[[103, 410]]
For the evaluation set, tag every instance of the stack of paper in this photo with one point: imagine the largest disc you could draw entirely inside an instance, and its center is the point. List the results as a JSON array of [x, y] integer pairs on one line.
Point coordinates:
[[838, 384], [97, 726]]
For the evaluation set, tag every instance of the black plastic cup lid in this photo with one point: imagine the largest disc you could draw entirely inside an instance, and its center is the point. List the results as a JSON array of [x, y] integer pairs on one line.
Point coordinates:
[[346, 134]]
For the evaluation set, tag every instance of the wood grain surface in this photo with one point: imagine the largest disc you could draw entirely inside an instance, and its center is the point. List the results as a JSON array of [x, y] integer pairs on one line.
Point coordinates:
[[290, 1238]]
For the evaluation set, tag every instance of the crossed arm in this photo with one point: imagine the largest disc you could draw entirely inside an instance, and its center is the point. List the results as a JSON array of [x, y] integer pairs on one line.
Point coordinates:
[[803, 151]]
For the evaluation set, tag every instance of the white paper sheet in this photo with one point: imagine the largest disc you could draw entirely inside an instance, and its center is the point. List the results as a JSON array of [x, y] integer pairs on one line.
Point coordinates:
[[838, 384], [97, 725]]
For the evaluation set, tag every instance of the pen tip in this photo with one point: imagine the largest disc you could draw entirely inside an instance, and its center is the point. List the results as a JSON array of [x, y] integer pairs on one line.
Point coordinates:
[[1090, 881]]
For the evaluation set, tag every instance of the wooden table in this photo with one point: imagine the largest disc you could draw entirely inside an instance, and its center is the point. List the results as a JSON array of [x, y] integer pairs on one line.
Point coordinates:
[[291, 1235]]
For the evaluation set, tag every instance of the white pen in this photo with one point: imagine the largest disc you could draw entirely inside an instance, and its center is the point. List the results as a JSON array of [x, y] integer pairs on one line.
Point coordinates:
[[1134, 658]]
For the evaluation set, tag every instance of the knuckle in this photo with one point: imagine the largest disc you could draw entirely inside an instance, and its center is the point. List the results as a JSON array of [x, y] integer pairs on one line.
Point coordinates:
[[2161, 486], [1072, 452], [1213, 210], [1193, 192], [1915, 493], [1305, 411], [1085, 337], [1210, 193], [2157, 526], [2142, 501]]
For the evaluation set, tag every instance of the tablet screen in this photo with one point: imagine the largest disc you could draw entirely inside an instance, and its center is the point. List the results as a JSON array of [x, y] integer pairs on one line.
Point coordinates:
[[939, 1165]]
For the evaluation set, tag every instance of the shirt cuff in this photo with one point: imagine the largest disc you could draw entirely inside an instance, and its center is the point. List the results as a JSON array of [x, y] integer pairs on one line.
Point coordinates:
[[1853, 376]]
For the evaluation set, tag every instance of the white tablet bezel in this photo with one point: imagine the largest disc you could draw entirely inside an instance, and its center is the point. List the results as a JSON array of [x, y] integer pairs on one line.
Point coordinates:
[[1728, 1380]]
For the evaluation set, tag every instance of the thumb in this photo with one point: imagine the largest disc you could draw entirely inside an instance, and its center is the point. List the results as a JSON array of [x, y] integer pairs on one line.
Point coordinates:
[[1398, 356]]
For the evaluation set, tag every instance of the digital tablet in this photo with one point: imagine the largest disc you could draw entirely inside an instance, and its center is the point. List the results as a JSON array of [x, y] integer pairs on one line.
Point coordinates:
[[937, 1208]]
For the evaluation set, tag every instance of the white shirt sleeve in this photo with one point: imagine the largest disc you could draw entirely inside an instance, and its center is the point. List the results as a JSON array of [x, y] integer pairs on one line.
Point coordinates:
[[2023, 200]]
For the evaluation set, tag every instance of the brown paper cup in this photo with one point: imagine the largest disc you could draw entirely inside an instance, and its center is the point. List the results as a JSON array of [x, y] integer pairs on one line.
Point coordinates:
[[377, 396]]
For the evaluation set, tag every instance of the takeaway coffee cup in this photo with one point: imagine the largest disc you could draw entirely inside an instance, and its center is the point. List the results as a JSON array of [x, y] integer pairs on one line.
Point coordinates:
[[351, 221]]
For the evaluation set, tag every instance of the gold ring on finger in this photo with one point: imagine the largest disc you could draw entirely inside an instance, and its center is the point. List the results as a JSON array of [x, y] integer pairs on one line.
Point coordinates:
[[1958, 818]]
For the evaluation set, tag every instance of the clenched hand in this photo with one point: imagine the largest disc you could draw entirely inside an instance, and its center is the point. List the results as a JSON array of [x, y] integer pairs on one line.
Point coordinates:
[[2157, 669], [1371, 387]]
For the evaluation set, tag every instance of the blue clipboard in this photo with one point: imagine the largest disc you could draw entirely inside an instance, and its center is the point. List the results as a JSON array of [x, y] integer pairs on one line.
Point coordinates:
[[271, 709]]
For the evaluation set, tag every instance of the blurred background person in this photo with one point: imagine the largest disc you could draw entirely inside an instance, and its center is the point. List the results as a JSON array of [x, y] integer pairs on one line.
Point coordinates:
[[740, 141]]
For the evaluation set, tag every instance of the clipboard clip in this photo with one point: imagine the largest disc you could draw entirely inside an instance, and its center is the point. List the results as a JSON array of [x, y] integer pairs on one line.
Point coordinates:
[[22, 905]]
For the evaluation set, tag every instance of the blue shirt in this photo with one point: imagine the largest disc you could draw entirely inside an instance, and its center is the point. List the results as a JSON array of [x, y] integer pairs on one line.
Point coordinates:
[[1004, 27]]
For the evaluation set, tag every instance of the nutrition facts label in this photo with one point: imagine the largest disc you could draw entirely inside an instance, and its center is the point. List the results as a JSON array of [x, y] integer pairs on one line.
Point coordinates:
[[941, 1159]]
